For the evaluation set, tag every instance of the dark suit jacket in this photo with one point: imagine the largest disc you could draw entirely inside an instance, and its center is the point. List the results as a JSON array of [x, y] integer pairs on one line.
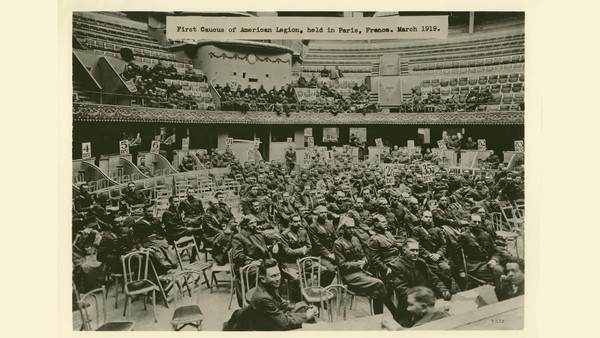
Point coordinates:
[[269, 312]]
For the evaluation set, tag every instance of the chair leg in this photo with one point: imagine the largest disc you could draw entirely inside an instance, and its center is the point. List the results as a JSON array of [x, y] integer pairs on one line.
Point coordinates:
[[116, 292], [232, 292], [206, 280], [154, 305]]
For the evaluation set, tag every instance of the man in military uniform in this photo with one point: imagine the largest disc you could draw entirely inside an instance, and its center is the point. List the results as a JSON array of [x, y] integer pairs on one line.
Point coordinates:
[[192, 209], [84, 201], [263, 219], [382, 247], [175, 227], [352, 263], [131, 197], [223, 210], [290, 158], [322, 236], [212, 222]]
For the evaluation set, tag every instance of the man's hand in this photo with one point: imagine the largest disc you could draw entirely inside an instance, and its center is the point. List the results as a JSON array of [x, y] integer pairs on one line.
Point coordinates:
[[434, 257], [331, 256], [462, 275], [312, 312], [388, 271], [447, 296], [492, 263]]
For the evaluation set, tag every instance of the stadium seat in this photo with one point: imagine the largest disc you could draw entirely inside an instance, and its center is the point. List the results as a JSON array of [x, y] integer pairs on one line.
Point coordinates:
[[505, 107], [453, 82], [462, 81], [506, 88], [444, 82], [519, 97], [475, 89], [473, 81], [435, 82], [496, 88], [492, 79], [464, 90], [496, 98], [507, 98], [503, 78], [514, 77], [483, 79], [425, 83], [517, 87], [522, 77], [455, 91], [484, 88]]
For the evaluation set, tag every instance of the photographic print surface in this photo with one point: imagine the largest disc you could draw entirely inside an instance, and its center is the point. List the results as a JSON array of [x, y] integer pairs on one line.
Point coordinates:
[[246, 171]]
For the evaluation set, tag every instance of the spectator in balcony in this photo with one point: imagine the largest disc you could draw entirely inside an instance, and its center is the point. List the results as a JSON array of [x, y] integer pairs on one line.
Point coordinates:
[[302, 82], [190, 74], [470, 144], [143, 168], [493, 160], [273, 92], [324, 72], [313, 82], [262, 90]]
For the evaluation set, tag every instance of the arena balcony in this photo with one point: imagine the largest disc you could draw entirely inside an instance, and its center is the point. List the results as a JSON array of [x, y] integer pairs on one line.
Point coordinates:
[[88, 112]]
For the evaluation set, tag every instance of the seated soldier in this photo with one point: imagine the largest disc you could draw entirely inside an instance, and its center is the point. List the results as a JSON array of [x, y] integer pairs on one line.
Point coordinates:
[[421, 307], [408, 271], [143, 168], [222, 243], [322, 236], [352, 263], [84, 201], [249, 246], [261, 216], [481, 256], [212, 223], [192, 209], [175, 228], [223, 210], [383, 248], [131, 197], [270, 312]]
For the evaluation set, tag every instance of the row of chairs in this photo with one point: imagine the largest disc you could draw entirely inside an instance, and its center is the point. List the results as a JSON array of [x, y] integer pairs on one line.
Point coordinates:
[[81, 31], [111, 24], [345, 68], [96, 43], [489, 61], [505, 88], [470, 70], [77, 22], [472, 81]]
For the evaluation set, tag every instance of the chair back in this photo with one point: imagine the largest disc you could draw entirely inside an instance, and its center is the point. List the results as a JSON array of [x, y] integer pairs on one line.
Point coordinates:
[[335, 296], [135, 266], [231, 266], [249, 279], [185, 245], [186, 281], [497, 221], [309, 269], [97, 303]]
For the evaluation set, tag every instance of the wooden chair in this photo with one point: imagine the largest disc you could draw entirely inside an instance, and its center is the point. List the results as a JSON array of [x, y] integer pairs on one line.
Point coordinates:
[[353, 295], [136, 280], [186, 312], [247, 273], [98, 297], [187, 245], [215, 269], [232, 272], [309, 270], [333, 300]]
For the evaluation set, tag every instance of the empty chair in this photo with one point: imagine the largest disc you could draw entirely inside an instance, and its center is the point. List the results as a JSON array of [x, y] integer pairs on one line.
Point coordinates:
[[496, 98], [492, 79], [503, 78], [496, 88], [97, 297], [483, 79], [453, 82], [514, 77], [435, 82], [425, 83], [516, 87], [462, 81], [455, 91], [475, 89], [187, 312], [473, 81], [506, 88], [484, 88], [522, 77], [187, 245], [333, 301], [444, 82], [309, 270], [504, 107], [519, 97], [135, 273], [464, 90], [507, 99]]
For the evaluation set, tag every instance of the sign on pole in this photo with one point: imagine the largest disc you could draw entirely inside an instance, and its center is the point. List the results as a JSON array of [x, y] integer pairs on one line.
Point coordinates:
[[410, 144], [86, 150], [124, 147], [519, 146], [481, 144], [155, 147], [185, 143], [379, 143], [251, 155]]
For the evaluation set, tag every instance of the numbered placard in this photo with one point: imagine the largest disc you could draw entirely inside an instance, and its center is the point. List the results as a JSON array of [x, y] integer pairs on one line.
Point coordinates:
[[390, 181], [379, 142], [481, 144], [86, 150], [427, 169], [229, 141], [251, 155], [124, 147], [410, 144], [185, 143], [310, 141], [519, 146], [155, 147]]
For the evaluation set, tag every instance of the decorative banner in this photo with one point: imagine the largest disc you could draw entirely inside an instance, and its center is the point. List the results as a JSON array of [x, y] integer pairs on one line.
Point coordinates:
[[410, 144], [155, 147], [441, 144], [519, 146], [185, 143], [86, 150], [124, 147], [310, 141], [379, 142], [481, 144]]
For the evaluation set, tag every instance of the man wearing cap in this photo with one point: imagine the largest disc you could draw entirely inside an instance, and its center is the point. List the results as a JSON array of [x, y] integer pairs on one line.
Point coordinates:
[[352, 264], [322, 236], [174, 226], [212, 222], [84, 201], [248, 199], [224, 213], [222, 243], [132, 197], [262, 218], [284, 210]]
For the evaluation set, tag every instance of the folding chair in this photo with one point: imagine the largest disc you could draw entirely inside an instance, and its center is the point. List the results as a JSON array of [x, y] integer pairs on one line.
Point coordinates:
[[232, 272], [98, 297], [187, 245]]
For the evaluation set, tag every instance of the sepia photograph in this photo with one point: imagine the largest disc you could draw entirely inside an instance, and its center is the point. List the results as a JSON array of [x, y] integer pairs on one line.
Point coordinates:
[[308, 171]]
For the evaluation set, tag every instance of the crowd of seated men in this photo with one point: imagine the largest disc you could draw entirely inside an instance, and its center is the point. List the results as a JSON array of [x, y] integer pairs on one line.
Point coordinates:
[[331, 101], [434, 102], [257, 99], [151, 86], [384, 237]]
